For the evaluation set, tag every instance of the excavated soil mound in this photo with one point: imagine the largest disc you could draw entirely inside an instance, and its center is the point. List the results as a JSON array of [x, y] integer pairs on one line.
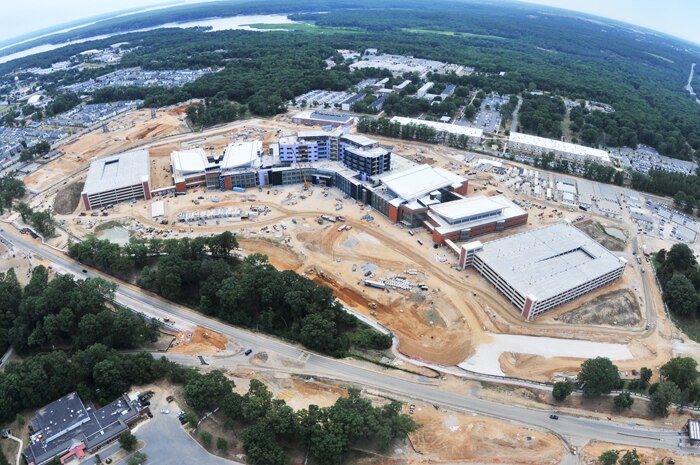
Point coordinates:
[[68, 198]]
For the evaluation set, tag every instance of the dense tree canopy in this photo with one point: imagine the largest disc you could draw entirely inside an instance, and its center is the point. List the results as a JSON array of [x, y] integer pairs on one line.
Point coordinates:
[[598, 376], [65, 312], [204, 273]]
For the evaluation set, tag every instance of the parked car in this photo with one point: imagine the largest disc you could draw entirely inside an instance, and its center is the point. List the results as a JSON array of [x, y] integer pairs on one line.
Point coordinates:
[[249, 351]]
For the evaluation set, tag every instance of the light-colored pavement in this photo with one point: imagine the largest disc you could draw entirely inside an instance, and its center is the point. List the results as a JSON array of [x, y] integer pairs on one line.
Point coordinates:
[[167, 443], [21, 448], [575, 429]]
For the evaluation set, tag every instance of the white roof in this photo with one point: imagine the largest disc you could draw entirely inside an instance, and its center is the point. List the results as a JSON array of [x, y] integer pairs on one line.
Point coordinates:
[[189, 161], [358, 139], [158, 209], [242, 154], [420, 180], [548, 261], [473, 211], [312, 133], [117, 171], [559, 146], [441, 127]]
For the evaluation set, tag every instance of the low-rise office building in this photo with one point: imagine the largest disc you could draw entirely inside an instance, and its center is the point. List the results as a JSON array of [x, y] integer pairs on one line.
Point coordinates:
[[237, 167], [463, 219], [68, 428], [323, 118], [538, 146], [444, 130]]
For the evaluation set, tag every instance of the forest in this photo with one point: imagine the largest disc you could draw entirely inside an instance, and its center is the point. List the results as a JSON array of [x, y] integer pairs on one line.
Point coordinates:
[[541, 115], [249, 292], [514, 48], [64, 312], [269, 426], [70, 339]]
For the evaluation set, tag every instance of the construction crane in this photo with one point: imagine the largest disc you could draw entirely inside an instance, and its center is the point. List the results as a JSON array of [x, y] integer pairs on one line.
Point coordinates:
[[306, 183]]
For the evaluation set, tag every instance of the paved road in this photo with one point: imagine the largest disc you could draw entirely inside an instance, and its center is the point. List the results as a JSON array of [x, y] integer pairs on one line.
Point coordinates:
[[514, 121], [575, 429]]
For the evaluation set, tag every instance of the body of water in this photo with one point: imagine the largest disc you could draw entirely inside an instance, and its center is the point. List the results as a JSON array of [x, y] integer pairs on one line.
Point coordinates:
[[117, 235], [217, 24]]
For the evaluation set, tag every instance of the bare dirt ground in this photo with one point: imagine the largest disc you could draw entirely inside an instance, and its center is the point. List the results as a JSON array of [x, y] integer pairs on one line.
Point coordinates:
[[647, 456], [199, 341], [68, 198], [126, 131], [470, 438], [18, 261], [616, 308], [443, 325], [596, 231]]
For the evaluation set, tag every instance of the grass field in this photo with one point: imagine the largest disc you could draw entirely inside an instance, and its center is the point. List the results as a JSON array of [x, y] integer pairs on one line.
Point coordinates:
[[303, 27], [452, 33]]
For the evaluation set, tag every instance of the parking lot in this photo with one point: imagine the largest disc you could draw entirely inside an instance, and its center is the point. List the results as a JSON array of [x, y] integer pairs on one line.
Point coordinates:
[[488, 117], [321, 98], [167, 442]]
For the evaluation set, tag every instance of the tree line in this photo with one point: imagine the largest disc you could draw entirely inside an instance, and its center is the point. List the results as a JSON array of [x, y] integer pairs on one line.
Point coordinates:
[[270, 426], [684, 188], [541, 115], [97, 373], [599, 377], [679, 276], [249, 292], [42, 220], [11, 188], [67, 313]]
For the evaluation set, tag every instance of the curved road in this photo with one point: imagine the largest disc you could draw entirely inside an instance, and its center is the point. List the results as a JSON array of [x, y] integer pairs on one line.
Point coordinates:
[[577, 430]]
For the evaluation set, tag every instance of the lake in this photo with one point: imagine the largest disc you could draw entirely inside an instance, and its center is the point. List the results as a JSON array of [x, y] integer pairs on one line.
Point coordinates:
[[217, 24]]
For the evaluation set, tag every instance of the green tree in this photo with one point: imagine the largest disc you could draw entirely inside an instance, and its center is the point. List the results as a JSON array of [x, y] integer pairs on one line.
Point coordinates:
[[598, 376], [645, 375], [608, 457], [221, 444], [562, 390], [138, 458], [206, 438], [205, 392], [630, 458], [24, 210], [261, 447], [665, 394], [681, 257], [680, 296], [127, 441], [623, 401], [44, 223], [680, 370]]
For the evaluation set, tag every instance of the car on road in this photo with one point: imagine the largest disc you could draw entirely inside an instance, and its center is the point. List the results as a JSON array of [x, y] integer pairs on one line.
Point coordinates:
[[554, 417], [84, 270], [249, 351]]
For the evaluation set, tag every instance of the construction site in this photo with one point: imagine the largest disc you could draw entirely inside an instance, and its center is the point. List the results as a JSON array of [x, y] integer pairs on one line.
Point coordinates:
[[439, 313]]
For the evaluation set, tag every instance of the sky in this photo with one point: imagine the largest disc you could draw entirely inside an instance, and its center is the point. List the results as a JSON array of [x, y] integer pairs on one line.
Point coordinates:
[[675, 17]]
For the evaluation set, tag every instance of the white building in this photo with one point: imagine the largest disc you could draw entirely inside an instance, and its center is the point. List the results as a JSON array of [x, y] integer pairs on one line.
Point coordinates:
[[474, 135], [538, 146], [118, 178], [543, 268]]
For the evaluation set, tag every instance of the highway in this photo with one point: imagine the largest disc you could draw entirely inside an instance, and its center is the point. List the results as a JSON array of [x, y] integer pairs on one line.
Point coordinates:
[[576, 430]]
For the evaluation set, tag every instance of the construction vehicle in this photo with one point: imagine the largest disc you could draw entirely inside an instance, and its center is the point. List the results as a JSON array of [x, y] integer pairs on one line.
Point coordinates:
[[303, 176]]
